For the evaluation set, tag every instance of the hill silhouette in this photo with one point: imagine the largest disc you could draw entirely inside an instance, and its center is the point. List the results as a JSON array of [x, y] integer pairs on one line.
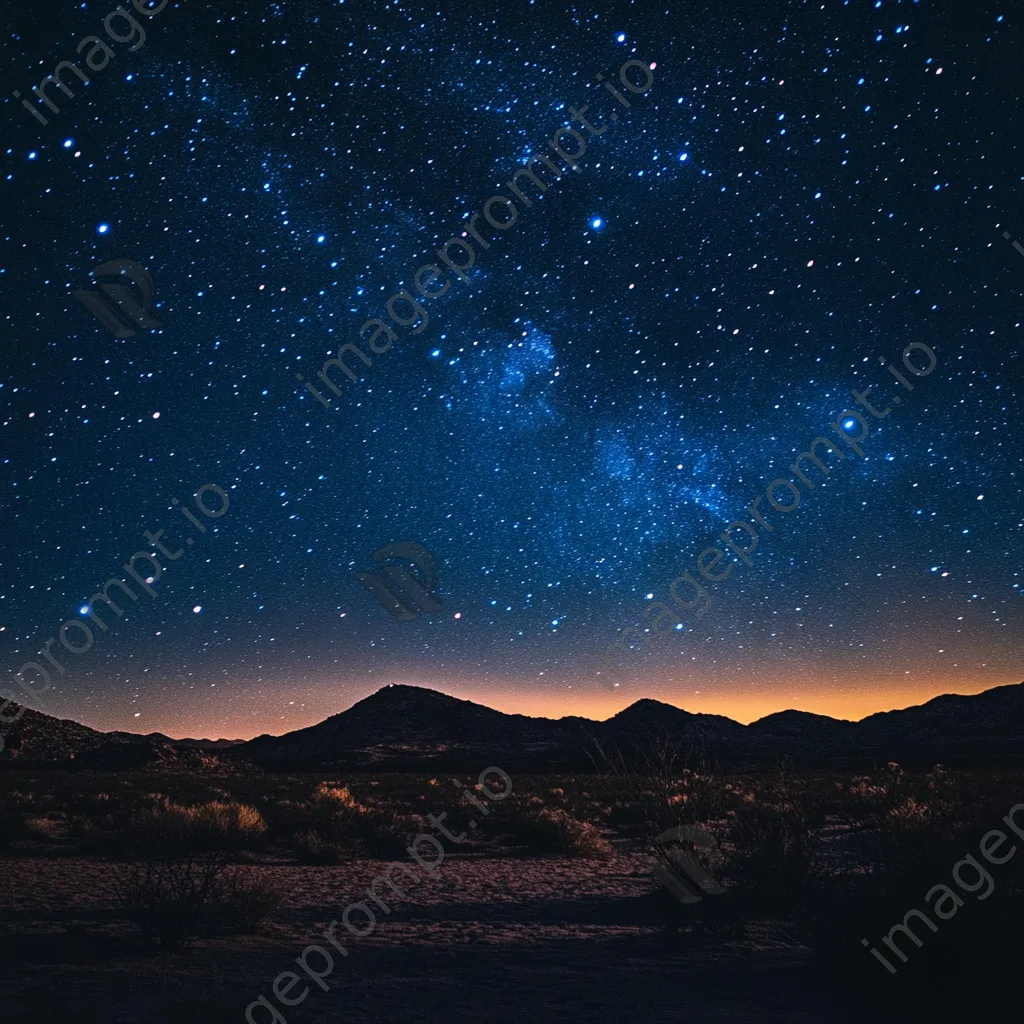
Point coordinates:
[[403, 727]]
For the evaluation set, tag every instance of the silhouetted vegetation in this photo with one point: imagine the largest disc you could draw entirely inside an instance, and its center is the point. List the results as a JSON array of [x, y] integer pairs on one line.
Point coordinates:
[[176, 880], [823, 858]]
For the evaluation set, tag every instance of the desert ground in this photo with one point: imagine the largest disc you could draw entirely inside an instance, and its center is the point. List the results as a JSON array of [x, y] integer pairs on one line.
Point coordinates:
[[501, 939], [551, 914]]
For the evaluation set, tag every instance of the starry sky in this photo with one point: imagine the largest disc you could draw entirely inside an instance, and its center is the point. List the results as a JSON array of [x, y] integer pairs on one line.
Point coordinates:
[[806, 188]]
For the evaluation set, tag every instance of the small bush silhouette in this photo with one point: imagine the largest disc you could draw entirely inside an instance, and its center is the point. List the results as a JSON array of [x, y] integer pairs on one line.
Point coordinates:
[[243, 900], [313, 848], [174, 879], [210, 829], [772, 858], [558, 832]]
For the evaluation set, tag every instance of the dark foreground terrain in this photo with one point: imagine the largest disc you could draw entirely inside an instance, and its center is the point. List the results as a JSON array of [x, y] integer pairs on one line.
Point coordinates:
[[174, 897]]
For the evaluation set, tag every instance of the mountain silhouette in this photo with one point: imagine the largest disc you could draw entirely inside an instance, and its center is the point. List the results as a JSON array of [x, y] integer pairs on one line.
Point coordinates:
[[40, 740], [414, 725], [410, 727]]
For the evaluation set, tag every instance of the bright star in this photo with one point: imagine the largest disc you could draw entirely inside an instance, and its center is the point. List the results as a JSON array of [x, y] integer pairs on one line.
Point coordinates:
[[596, 223], [103, 229]]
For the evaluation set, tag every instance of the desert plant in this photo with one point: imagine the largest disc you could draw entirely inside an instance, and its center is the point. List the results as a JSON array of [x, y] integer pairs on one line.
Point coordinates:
[[658, 788], [242, 900], [313, 848], [386, 835], [165, 899], [212, 829], [772, 855], [49, 829], [556, 831], [176, 860]]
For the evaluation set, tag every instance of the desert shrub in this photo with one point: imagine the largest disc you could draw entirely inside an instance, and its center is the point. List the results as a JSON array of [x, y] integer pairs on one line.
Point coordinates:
[[386, 835], [177, 857], [334, 796], [93, 836], [166, 899], [660, 783], [773, 858], [170, 829], [49, 829], [921, 828], [286, 817], [337, 824], [242, 900], [557, 832], [333, 810], [313, 848], [376, 834], [174, 902], [719, 915]]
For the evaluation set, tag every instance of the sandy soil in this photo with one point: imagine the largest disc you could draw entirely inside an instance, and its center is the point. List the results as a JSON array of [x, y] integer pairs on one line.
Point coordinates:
[[499, 940]]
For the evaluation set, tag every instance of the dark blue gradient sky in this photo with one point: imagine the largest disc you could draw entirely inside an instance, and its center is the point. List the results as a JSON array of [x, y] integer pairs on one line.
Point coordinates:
[[576, 423]]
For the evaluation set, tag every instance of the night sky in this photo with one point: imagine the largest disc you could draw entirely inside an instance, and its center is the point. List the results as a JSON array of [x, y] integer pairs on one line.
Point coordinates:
[[804, 190]]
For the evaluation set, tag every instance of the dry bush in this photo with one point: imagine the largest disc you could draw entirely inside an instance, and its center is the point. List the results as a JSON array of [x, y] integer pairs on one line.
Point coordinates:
[[177, 867], [333, 800], [166, 899], [376, 834], [45, 828], [385, 835], [212, 829], [556, 832], [174, 902], [313, 848], [656, 789], [773, 858], [286, 817], [337, 825], [243, 899]]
